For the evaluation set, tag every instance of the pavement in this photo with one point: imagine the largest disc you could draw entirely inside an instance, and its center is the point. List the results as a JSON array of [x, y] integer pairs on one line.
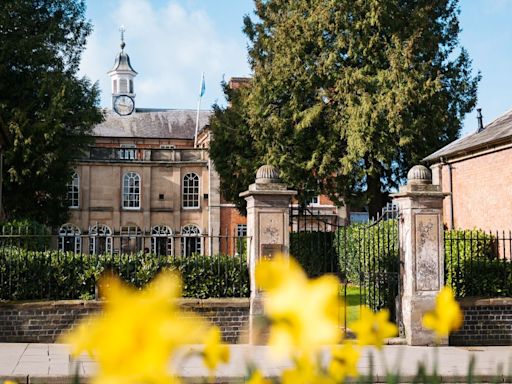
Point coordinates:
[[51, 363]]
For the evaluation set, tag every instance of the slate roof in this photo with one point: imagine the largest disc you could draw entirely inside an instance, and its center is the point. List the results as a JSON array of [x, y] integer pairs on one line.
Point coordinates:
[[153, 123], [497, 132]]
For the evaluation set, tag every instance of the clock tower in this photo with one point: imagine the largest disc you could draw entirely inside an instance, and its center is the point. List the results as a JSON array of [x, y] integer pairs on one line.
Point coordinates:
[[122, 75]]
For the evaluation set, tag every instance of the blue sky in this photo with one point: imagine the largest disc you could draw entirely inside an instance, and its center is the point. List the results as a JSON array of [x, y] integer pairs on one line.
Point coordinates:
[[171, 42]]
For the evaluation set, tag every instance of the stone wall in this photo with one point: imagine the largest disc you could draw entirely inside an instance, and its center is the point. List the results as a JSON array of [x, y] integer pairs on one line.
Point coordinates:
[[45, 321], [486, 322]]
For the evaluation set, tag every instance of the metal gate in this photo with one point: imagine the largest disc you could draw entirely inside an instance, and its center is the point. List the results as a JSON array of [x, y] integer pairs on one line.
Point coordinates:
[[364, 256]]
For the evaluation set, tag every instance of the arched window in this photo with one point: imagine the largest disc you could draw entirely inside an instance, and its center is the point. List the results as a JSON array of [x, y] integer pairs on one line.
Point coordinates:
[[70, 238], [74, 191], [131, 191], [131, 86], [190, 240], [162, 241], [191, 190], [131, 239], [100, 239]]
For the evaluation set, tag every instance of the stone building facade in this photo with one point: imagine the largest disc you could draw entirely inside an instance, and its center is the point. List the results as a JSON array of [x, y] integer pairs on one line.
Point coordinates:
[[147, 183], [143, 185]]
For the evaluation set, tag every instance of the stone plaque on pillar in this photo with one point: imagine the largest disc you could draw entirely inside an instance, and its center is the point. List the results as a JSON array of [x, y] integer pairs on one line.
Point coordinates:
[[421, 251], [427, 258], [269, 251]]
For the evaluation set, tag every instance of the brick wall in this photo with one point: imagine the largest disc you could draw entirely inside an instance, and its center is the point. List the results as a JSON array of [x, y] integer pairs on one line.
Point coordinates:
[[480, 191], [45, 321], [486, 322]]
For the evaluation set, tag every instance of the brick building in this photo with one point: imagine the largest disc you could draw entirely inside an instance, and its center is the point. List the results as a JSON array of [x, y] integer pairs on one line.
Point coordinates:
[[476, 171]]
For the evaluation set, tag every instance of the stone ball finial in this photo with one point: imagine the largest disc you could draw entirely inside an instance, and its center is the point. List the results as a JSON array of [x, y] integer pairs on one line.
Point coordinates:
[[419, 174], [267, 174]]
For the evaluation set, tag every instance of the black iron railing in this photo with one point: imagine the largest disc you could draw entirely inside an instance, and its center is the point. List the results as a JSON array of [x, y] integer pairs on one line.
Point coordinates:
[[46, 266], [478, 263]]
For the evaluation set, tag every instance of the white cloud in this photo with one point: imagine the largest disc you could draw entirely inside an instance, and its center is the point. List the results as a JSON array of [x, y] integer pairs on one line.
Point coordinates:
[[169, 46]]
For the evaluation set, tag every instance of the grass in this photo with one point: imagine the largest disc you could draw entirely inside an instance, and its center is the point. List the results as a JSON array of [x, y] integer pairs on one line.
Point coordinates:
[[352, 302]]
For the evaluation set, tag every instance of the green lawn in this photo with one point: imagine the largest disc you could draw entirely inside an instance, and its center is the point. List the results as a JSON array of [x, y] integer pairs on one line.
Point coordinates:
[[352, 302]]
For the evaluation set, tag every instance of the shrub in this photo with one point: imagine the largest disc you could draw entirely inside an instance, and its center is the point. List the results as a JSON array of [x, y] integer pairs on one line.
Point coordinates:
[[26, 234], [31, 275], [473, 266], [369, 257]]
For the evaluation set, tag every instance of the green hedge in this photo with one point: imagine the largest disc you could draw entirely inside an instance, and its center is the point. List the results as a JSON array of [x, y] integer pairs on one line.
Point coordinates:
[[473, 266], [369, 257], [31, 275]]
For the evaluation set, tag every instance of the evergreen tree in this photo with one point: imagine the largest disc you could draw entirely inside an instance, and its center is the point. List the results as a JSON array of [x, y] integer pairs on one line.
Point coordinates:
[[347, 95], [47, 109], [231, 147]]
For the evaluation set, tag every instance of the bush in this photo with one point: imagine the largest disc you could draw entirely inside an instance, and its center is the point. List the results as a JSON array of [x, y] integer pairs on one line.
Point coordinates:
[[369, 257], [31, 275], [473, 266], [26, 234]]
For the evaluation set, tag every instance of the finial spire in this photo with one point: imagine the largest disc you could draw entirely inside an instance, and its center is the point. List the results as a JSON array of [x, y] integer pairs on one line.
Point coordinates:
[[122, 30]]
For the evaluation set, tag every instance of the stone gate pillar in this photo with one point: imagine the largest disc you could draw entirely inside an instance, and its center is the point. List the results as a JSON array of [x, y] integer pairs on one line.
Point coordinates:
[[268, 202], [421, 251]]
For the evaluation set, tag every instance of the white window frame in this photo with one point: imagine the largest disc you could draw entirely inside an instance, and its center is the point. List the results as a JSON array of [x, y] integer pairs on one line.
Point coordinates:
[[191, 235], [99, 234], [70, 231], [128, 196], [315, 201], [162, 233], [187, 197], [127, 151], [74, 189]]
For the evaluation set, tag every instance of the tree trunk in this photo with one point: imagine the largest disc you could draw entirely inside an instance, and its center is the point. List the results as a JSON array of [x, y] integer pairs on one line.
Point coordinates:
[[375, 197]]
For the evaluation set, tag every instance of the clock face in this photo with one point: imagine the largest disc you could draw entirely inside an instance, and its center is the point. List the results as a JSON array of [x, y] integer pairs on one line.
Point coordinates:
[[124, 105]]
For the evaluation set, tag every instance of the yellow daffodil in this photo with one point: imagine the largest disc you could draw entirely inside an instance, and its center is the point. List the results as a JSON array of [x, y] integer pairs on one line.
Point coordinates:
[[305, 371], [343, 362], [303, 313], [10, 382], [134, 337], [214, 351], [446, 316], [257, 378], [373, 328]]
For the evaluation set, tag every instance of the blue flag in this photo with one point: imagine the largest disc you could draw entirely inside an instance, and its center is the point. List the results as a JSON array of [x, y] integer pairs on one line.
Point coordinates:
[[203, 87]]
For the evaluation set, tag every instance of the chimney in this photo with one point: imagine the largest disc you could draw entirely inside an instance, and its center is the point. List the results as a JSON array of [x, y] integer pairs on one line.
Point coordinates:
[[479, 118]]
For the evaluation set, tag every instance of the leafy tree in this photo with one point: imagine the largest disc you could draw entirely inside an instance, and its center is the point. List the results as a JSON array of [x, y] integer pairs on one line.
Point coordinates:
[[347, 95], [47, 109]]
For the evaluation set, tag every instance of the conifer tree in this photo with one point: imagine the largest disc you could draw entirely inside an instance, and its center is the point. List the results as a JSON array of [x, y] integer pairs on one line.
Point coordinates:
[[47, 109], [347, 95]]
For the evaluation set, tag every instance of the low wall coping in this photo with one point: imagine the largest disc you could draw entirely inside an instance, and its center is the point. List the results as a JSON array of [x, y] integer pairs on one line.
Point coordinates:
[[186, 302], [484, 301]]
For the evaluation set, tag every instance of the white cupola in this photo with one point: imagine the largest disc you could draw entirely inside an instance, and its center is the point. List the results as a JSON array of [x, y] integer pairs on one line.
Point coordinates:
[[122, 74]]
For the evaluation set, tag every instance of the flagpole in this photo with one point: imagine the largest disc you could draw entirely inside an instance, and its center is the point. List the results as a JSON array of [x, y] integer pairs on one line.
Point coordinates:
[[197, 121], [201, 93]]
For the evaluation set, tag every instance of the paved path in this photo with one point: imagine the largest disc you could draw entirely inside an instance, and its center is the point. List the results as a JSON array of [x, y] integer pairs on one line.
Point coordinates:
[[51, 363]]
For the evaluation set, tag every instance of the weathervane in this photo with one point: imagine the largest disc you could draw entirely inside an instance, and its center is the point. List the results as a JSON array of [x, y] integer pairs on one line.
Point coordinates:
[[122, 30]]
